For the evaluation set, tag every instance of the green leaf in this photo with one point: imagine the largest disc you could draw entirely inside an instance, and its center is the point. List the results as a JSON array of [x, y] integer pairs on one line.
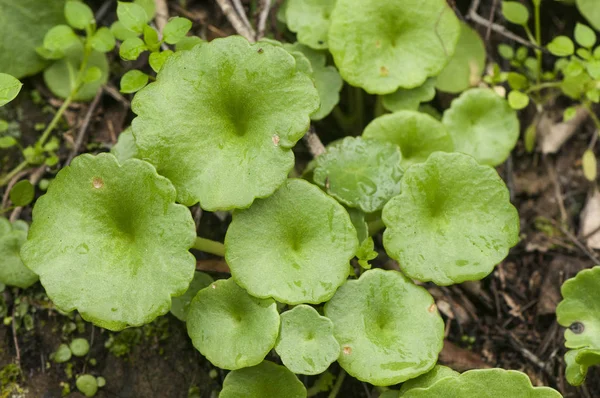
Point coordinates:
[[417, 134], [92, 74], [366, 253], [121, 32], [149, 6], [132, 16], [131, 48], [125, 148], [21, 33], [484, 383], [306, 344], [310, 19], [181, 304], [107, 235], [517, 81], [264, 380], [9, 88], [230, 328], [360, 173], [436, 374], [7, 142], [60, 38], [79, 347], [132, 81], [584, 35], [506, 51], [61, 76], [376, 318], [584, 53], [531, 136], [188, 42], [176, 29], [151, 38], [224, 136], [453, 221], [593, 95], [378, 46], [522, 53], [358, 220], [3, 126], [569, 113], [561, 46], [590, 9], [103, 40], [87, 385], [79, 15], [515, 12], [62, 354], [158, 59], [12, 270], [294, 246], [573, 68], [593, 68], [483, 125], [410, 99], [518, 100], [22, 193], [590, 167], [466, 66]]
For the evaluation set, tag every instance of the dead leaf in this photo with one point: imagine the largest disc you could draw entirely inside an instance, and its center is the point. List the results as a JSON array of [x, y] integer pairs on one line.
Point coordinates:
[[553, 132], [590, 221]]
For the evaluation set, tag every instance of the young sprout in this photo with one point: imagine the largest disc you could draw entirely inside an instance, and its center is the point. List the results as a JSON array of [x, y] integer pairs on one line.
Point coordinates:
[[261, 381], [108, 240], [310, 19], [12, 270]]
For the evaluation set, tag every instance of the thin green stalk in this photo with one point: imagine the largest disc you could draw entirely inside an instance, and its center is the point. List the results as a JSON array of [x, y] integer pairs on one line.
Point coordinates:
[[338, 384], [13, 173], [538, 38], [209, 246], [593, 115], [42, 140], [542, 86]]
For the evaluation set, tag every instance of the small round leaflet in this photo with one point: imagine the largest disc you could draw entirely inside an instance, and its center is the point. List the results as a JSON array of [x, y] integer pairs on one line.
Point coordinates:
[[453, 221], [229, 327], [266, 380], [12, 270], [221, 119], [294, 246], [109, 241], [306, 344], [483, 125], [389, 329], [360, 172], [385, 45]]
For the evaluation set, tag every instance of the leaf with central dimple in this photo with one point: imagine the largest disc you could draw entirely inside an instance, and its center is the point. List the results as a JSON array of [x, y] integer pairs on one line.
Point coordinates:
[[306, 344], [417, 134], [483, 125], [310, 19], [385, 45], [109, 241], [360, 173], [230, 328], [580, 310], [266, 380], [221, 119], [389, 329], [12, 270], [453, 221], [294, 246]]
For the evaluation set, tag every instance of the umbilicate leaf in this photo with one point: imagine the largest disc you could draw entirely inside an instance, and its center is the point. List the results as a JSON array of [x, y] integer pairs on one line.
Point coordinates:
[[180, 305], [436, 374], [109, 241], [580, 312], [306, 344], [221, 119], [87, 385], [294, 246], [261, 381], [389, 329], [310, 19], [229, 327], [417, 134], [79, 347], [452, 222], [12, 270], [483, 125], [379, 45], [360, 172], [410, 99]]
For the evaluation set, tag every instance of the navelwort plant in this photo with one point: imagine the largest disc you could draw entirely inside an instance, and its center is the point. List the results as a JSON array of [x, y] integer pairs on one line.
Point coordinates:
[[216, 127]]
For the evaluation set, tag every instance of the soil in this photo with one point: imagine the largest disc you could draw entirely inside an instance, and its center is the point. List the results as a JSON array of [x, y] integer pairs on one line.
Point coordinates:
[[506, 320]]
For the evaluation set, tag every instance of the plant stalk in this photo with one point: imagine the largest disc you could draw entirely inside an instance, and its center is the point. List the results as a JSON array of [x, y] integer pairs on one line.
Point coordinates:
[[538, 38], [338, 384], [209, 246]]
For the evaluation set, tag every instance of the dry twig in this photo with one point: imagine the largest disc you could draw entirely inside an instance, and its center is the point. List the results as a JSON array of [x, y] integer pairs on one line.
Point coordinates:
[[162, 14], [313, 142], [262, 18], [85, 125], [236, 21]]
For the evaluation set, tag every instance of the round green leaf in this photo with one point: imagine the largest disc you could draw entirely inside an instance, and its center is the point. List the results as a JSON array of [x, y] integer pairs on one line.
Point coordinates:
[[410, 99], [518, 100], [181, 305], [360, 173], [79, 15], [484, 383], [436, 374], [121, 32], [109, 241], [230, 328], [389, 329], [9, 88], [62, 354], [87, 385], [417, 134], [306, 344], [176, 29], [515, 12], [158, 59], [590, 9], [453, 221], [561, 46], [125, 148], [22, 193], [294, 246], [132, 15], [379, 45], [221, 119], [310, 19], [22, 32], [60, 77], [132, 81], [7, 141], [59, 39], [506, 51], [584, 35], [103, 40], [264, 380], [131, 48], [79, 347], [483, 125], [188, 42], [12, 270], [466, 65]]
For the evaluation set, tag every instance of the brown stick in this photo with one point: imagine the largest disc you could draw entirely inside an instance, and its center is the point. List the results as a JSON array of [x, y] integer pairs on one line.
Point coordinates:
[[262, 18], [34, 179], [235, 20], [84, 126], [313, 142], [162, 14]]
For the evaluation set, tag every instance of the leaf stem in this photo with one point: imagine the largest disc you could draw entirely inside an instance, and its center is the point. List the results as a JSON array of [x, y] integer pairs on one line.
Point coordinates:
[[338, 384], [593, 115], [42, 140], [542, 86], [209, 246], [13, 173], [538, 38]]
